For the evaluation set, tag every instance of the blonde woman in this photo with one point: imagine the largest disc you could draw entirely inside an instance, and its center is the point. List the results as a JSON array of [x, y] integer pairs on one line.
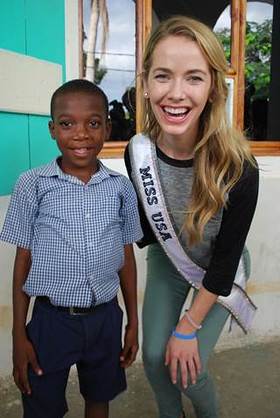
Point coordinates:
[[197, 185]]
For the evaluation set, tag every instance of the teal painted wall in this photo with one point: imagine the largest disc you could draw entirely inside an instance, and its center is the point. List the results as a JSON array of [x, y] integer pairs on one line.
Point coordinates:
[[14, 156], [42, 147], [12, 26], [35, 28]]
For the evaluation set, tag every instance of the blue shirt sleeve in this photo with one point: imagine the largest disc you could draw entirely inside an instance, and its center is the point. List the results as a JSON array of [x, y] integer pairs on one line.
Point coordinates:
[[19, 222], [131, 228]]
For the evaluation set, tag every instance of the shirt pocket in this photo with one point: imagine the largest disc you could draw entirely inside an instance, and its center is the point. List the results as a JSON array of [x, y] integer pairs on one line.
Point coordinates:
[[108, 210]]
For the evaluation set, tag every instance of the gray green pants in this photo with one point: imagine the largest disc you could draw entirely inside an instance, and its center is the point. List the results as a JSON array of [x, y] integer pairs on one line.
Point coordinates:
[[165, 295]]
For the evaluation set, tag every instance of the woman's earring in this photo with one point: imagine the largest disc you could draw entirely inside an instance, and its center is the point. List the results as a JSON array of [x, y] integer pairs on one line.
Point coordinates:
[[146, 95]]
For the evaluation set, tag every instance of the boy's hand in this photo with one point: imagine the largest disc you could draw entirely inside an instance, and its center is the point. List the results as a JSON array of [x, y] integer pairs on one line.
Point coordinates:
[[23, 355], [130, 349]]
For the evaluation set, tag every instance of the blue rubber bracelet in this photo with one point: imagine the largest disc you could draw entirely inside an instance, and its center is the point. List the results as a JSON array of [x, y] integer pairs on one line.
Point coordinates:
[[183, 336]]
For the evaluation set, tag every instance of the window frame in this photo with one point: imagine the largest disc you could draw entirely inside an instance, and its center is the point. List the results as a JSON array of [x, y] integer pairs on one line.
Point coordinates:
[[143, 9], [238, 33]]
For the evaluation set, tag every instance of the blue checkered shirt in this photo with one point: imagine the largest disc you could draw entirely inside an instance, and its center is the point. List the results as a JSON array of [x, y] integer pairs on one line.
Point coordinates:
[[76, 232]]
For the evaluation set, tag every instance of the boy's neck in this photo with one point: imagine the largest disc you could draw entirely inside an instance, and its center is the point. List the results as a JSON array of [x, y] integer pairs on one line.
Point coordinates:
[[82, 173]]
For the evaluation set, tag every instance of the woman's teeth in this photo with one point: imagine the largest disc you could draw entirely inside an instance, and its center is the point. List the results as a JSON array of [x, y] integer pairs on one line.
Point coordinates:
[[178, 111]]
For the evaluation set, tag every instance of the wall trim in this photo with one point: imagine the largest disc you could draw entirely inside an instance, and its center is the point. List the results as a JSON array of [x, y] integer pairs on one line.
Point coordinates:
[[27, 83]]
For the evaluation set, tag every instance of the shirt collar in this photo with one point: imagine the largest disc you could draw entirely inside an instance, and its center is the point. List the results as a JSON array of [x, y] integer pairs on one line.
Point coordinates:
[[53, 170]]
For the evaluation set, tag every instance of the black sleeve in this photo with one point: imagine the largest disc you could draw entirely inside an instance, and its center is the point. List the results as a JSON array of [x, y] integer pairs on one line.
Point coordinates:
[[236, 221], [148, 235]]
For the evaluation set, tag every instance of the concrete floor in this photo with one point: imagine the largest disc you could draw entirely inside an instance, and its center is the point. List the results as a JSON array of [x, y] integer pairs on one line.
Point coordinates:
[[247, 379]]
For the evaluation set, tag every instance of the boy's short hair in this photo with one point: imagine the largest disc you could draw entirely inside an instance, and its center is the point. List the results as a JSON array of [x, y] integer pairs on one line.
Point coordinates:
[[76, 86]]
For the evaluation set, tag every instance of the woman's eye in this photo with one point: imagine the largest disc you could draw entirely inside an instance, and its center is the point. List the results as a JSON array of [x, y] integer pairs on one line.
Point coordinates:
[[161, 77], [195, 79]]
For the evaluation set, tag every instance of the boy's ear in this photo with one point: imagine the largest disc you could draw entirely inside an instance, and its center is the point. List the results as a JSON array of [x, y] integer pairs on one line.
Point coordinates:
[[108, 129], [51, 129]]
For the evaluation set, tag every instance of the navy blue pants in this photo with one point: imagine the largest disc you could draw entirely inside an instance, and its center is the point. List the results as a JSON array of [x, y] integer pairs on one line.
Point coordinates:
[[91, 341]]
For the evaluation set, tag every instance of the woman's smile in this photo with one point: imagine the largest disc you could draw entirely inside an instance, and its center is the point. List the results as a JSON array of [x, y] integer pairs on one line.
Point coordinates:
[[175, 114]]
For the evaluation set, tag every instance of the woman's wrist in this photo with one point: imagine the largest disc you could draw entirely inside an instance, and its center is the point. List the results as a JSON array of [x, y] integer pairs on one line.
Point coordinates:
[[184, 326], [194, 323], [181, 336]]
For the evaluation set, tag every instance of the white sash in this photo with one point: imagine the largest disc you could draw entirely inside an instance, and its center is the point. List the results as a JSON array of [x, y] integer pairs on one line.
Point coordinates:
[[145, 175]]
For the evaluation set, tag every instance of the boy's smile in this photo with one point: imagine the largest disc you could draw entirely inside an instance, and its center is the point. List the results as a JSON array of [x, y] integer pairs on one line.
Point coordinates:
[[80, 127]]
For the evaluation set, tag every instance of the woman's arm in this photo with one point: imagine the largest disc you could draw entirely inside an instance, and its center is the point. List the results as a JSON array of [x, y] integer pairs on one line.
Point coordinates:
[[148, 235], [236, 222], [220, 275]]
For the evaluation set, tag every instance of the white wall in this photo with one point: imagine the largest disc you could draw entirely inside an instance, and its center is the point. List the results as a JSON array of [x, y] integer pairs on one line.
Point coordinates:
[[263, 243]]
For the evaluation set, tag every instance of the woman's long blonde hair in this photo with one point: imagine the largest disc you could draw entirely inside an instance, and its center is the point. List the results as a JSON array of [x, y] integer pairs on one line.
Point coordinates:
[[220, 150]]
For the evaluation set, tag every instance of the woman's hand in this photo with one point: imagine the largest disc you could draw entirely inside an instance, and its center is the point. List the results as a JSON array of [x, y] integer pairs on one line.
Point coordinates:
[[185, 354]]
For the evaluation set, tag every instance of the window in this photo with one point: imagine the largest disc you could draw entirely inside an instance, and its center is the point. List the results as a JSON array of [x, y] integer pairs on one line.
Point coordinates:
[[264, 98], [234, 19], [257, 70], [108, 59], [238, 54], [222, 29]]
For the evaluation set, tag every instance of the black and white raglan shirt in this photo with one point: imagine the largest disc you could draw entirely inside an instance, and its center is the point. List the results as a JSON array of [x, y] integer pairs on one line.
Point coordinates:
[[224, 235]]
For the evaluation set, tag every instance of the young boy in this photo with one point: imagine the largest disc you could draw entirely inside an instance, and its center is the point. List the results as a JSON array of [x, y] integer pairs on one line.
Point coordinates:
[[73, 222]]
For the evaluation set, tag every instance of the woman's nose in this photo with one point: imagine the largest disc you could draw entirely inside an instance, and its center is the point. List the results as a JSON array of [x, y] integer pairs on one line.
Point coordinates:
[[177, 90]]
